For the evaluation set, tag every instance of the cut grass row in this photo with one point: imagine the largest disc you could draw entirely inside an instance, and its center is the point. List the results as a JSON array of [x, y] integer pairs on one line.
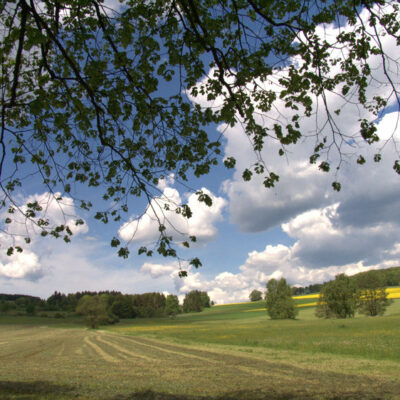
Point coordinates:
[[46, 363], [221, 353], [369, 337]]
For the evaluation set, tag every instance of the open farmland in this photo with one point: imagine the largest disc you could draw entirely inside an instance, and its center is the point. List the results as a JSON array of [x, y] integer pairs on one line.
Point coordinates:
[[227, 352]]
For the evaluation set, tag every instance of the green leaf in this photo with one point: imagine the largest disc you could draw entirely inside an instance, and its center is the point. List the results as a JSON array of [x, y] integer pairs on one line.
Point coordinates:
[[195, 262], [361, 160], [142, 250], [324, 166], [123, 252], [230, 162], [247, 175], [115, 242], [377, 157], [396, 166]]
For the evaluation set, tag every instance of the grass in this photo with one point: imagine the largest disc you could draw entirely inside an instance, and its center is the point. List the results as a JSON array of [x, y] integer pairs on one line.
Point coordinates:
[[227, 352], [372, 337]]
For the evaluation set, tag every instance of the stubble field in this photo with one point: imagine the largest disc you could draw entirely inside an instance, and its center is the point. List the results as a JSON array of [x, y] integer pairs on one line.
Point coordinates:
[[228, 352]]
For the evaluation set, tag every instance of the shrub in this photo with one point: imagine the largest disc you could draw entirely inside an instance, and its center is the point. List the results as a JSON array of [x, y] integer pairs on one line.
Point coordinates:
[[255, 295]]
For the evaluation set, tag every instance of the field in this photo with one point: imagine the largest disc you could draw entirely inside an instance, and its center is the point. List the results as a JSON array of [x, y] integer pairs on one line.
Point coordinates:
[[227, 352]]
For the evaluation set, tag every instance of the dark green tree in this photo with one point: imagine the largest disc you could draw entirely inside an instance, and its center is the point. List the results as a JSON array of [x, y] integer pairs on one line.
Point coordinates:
[[94, 309], [278, 300], [57, 301], [172, 305], [338, 298], [30, 309], [255, 295], [193, 302], [149, 305], [122, 307], [374, 298], [96, 97], [205, 300], [6, 306]]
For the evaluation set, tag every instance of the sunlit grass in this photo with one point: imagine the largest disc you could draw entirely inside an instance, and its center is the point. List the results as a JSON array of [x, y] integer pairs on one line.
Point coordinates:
[[371, 337], [221, 353]]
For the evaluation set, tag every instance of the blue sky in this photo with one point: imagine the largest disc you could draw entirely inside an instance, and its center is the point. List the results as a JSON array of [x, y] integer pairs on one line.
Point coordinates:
[[301, 229]]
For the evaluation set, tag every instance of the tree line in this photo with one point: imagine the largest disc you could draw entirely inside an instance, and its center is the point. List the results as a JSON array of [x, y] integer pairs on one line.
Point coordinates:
[[110, 305]]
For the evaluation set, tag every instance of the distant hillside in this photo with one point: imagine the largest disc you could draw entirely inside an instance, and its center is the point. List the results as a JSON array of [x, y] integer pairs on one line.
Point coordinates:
[[390, 277], [13, 297]]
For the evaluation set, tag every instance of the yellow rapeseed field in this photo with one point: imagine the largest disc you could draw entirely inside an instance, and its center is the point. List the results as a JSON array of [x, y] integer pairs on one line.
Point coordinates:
[[393, 293]]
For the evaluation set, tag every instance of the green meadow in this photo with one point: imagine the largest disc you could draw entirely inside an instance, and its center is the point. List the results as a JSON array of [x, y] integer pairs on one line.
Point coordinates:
[[226, 352]]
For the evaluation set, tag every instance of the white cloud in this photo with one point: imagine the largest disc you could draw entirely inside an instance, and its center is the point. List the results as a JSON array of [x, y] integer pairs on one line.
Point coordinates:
[[78, 266], [166, 182], [28, 264], [145, 229], [22, 265], [158, 270]]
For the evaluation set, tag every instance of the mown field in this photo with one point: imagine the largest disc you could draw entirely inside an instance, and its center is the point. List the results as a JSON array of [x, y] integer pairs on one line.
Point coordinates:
[[227, 352]]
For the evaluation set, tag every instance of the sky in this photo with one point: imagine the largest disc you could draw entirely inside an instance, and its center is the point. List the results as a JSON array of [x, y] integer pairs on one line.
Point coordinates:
[[301, 229]]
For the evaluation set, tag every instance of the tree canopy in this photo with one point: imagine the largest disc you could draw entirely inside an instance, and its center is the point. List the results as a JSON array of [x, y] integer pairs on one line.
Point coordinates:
[[119, 98], [339, 298], [374, 297], [279, 301], [255, 295]]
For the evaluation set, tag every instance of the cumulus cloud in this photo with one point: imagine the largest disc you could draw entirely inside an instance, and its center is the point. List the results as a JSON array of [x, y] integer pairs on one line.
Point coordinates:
[[324, 246], [162, 210], [158, 270], [55, 210], [22, 265], [78, 266], [321, 250]]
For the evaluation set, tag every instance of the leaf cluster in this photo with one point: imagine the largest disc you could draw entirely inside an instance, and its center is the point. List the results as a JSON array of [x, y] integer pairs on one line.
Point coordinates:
[[99, 98]]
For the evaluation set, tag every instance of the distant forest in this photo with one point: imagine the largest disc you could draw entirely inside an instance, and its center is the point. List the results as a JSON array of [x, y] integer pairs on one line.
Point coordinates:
[[146, 305]]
